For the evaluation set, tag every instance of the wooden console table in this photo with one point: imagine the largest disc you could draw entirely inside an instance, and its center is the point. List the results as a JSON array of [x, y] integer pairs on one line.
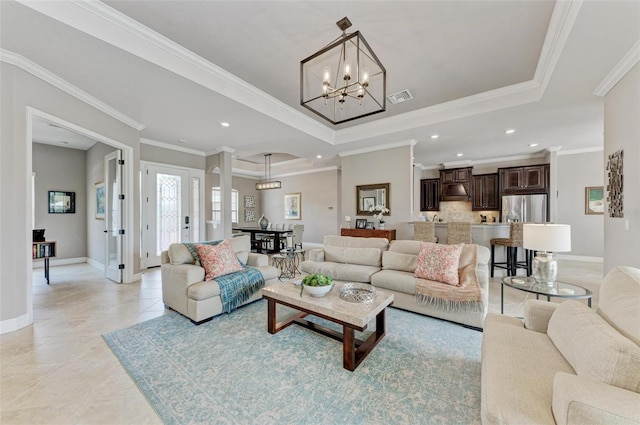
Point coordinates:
[[390, 234], [44, 250]]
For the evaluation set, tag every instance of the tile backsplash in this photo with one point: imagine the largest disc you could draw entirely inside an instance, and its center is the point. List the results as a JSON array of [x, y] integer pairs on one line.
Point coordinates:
[[460, 211]]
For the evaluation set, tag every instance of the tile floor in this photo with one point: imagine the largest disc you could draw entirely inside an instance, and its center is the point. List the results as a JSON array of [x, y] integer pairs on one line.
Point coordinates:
[[60, 371]]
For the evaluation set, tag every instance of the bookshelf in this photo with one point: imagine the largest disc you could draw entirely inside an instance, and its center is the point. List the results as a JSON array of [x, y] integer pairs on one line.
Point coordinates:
[[44, 250]]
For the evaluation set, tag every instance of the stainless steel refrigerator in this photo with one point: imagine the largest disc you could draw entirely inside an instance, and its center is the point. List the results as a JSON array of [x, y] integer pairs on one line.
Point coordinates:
[[524, 208]]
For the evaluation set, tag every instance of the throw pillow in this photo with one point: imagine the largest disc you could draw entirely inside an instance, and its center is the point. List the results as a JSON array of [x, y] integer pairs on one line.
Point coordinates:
[[439, 262], [218, 260]]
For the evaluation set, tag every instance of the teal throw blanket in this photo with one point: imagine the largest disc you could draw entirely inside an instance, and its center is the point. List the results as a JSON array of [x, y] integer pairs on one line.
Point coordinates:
[[235, 288]]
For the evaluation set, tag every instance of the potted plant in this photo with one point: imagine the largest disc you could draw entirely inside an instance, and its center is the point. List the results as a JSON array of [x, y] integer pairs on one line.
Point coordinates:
[[318, 285]]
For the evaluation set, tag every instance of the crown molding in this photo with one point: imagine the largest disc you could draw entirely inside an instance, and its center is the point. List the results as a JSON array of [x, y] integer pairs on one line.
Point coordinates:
[[411, 142], [150, 142], [240, 172], [50, 78], [562, 19], [579, 151], [454, 164], [109, 25], [627, 62], [541, 154]]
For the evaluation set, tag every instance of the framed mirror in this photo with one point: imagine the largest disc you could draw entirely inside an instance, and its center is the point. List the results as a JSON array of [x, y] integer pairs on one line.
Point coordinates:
[[370, 195]]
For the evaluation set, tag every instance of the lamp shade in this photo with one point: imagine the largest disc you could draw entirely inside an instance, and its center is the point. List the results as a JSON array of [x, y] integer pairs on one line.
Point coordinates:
[[547, 237]]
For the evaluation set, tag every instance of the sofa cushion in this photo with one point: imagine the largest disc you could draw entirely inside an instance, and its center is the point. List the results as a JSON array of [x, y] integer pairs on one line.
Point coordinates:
[[593, 347], [179, 254], [218, 260], [340, 271], [353, 242], [395, 280], [398, 261], [618, 302], [405, 247], [518, 366], [439, 262], [360, 256]]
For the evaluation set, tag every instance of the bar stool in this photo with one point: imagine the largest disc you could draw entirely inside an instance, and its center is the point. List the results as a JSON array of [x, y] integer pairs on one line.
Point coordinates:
[[458, 232], [424, 231], [512, 243]]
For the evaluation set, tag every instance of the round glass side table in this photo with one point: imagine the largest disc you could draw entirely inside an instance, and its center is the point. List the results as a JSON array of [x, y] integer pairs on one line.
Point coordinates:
[[559, 290]]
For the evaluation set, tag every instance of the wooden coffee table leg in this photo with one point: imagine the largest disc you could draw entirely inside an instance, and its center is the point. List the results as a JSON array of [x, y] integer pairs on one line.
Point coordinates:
[[271, 316], [348, 348]]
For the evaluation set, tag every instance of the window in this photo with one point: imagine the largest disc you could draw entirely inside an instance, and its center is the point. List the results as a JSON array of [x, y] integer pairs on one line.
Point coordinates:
[[216, 205]]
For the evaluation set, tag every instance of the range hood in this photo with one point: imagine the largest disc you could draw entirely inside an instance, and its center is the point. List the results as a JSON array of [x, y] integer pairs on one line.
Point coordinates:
[[455, 192]]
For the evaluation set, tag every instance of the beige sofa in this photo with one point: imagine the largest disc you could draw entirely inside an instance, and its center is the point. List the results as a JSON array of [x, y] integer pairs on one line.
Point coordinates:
[[566, 363], [185, 291], [390, 267]]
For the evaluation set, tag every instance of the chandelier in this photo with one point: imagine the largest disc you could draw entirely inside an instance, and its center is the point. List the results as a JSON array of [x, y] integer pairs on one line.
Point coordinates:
[[267, 183], [344, 80]]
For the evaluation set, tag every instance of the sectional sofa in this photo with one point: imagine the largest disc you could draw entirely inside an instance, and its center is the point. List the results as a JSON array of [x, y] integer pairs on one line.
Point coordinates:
[[391, 266], [185, 290]]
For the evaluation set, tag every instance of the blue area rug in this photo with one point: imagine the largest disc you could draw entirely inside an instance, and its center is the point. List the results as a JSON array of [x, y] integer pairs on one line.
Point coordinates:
[[232, 371]]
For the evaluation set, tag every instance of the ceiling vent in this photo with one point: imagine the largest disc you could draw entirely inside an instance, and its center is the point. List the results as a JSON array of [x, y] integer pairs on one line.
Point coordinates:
[[399, 97]]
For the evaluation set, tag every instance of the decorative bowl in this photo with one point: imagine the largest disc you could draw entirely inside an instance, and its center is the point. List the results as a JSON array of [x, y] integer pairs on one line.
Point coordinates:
[[317, 291], [357, 292]]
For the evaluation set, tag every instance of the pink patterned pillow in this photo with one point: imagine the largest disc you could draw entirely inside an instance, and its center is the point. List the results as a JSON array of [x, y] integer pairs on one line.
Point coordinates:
[[218, 260], [439, 262]]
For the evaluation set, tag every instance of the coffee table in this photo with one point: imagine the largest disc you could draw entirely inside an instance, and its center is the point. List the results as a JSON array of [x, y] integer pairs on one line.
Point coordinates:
[[352, 316], [528, 284]]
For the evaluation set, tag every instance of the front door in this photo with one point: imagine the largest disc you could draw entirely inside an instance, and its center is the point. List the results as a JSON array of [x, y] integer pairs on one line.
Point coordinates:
[[172, 210]]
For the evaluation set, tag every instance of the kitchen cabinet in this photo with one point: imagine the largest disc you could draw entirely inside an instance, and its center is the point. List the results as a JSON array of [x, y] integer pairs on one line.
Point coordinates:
[[455, 184], [485, 192], [430, 195], [529, 179]]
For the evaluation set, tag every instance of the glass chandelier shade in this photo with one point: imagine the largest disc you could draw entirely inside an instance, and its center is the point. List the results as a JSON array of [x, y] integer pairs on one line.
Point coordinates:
[[344, 80]]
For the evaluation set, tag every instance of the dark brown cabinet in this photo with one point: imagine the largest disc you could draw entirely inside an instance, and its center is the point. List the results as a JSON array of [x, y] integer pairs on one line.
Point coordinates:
[[429, 195], [485, 192], [529, 179], [455, 184]]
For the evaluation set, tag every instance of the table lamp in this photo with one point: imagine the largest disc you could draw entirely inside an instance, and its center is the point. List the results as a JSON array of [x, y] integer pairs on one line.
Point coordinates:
[[546, 239]]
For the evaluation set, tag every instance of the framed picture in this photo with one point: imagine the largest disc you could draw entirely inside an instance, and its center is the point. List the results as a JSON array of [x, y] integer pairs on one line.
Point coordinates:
[[99, 199], [594, 200], [369, 225], [249, 201], [293, 206], [361, 223], [368, 203], [249, 214], [62, 202]]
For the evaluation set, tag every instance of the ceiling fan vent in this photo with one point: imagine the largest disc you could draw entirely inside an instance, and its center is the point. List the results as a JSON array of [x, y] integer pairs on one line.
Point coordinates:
[[399, 97]]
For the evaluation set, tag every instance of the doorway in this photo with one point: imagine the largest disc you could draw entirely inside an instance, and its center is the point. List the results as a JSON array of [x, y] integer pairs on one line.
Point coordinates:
[[173, 210]]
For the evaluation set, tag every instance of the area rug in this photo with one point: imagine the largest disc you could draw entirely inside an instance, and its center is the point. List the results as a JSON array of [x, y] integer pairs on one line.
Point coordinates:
[[232, 371]]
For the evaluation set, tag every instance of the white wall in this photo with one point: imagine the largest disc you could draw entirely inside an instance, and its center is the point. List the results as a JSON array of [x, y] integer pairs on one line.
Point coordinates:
[[19, 91], [622, 131], [394, 166], [62, 169], [575, 172]]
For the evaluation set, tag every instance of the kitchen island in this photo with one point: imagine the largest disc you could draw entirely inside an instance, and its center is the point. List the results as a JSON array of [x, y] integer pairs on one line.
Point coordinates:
[[481, 234]]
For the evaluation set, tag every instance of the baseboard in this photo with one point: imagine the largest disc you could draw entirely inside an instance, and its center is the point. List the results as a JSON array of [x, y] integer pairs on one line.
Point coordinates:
[[96, 264], [59, 262], [583, 258], [14, 324]]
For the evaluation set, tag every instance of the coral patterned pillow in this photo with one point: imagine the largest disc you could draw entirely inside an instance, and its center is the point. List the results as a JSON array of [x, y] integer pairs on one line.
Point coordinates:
[[439, 262], [218, 260]]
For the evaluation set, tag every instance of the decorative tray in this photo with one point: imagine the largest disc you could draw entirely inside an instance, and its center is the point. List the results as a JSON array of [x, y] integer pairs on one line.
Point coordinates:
[[357, 292]]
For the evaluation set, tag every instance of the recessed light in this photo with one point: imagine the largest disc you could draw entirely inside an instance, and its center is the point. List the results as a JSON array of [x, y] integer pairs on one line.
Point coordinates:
[[435, 136], [64, 142], [533, 145], [460, 154], [318, 156], [182, 141], [225, 124], [510, 131]]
